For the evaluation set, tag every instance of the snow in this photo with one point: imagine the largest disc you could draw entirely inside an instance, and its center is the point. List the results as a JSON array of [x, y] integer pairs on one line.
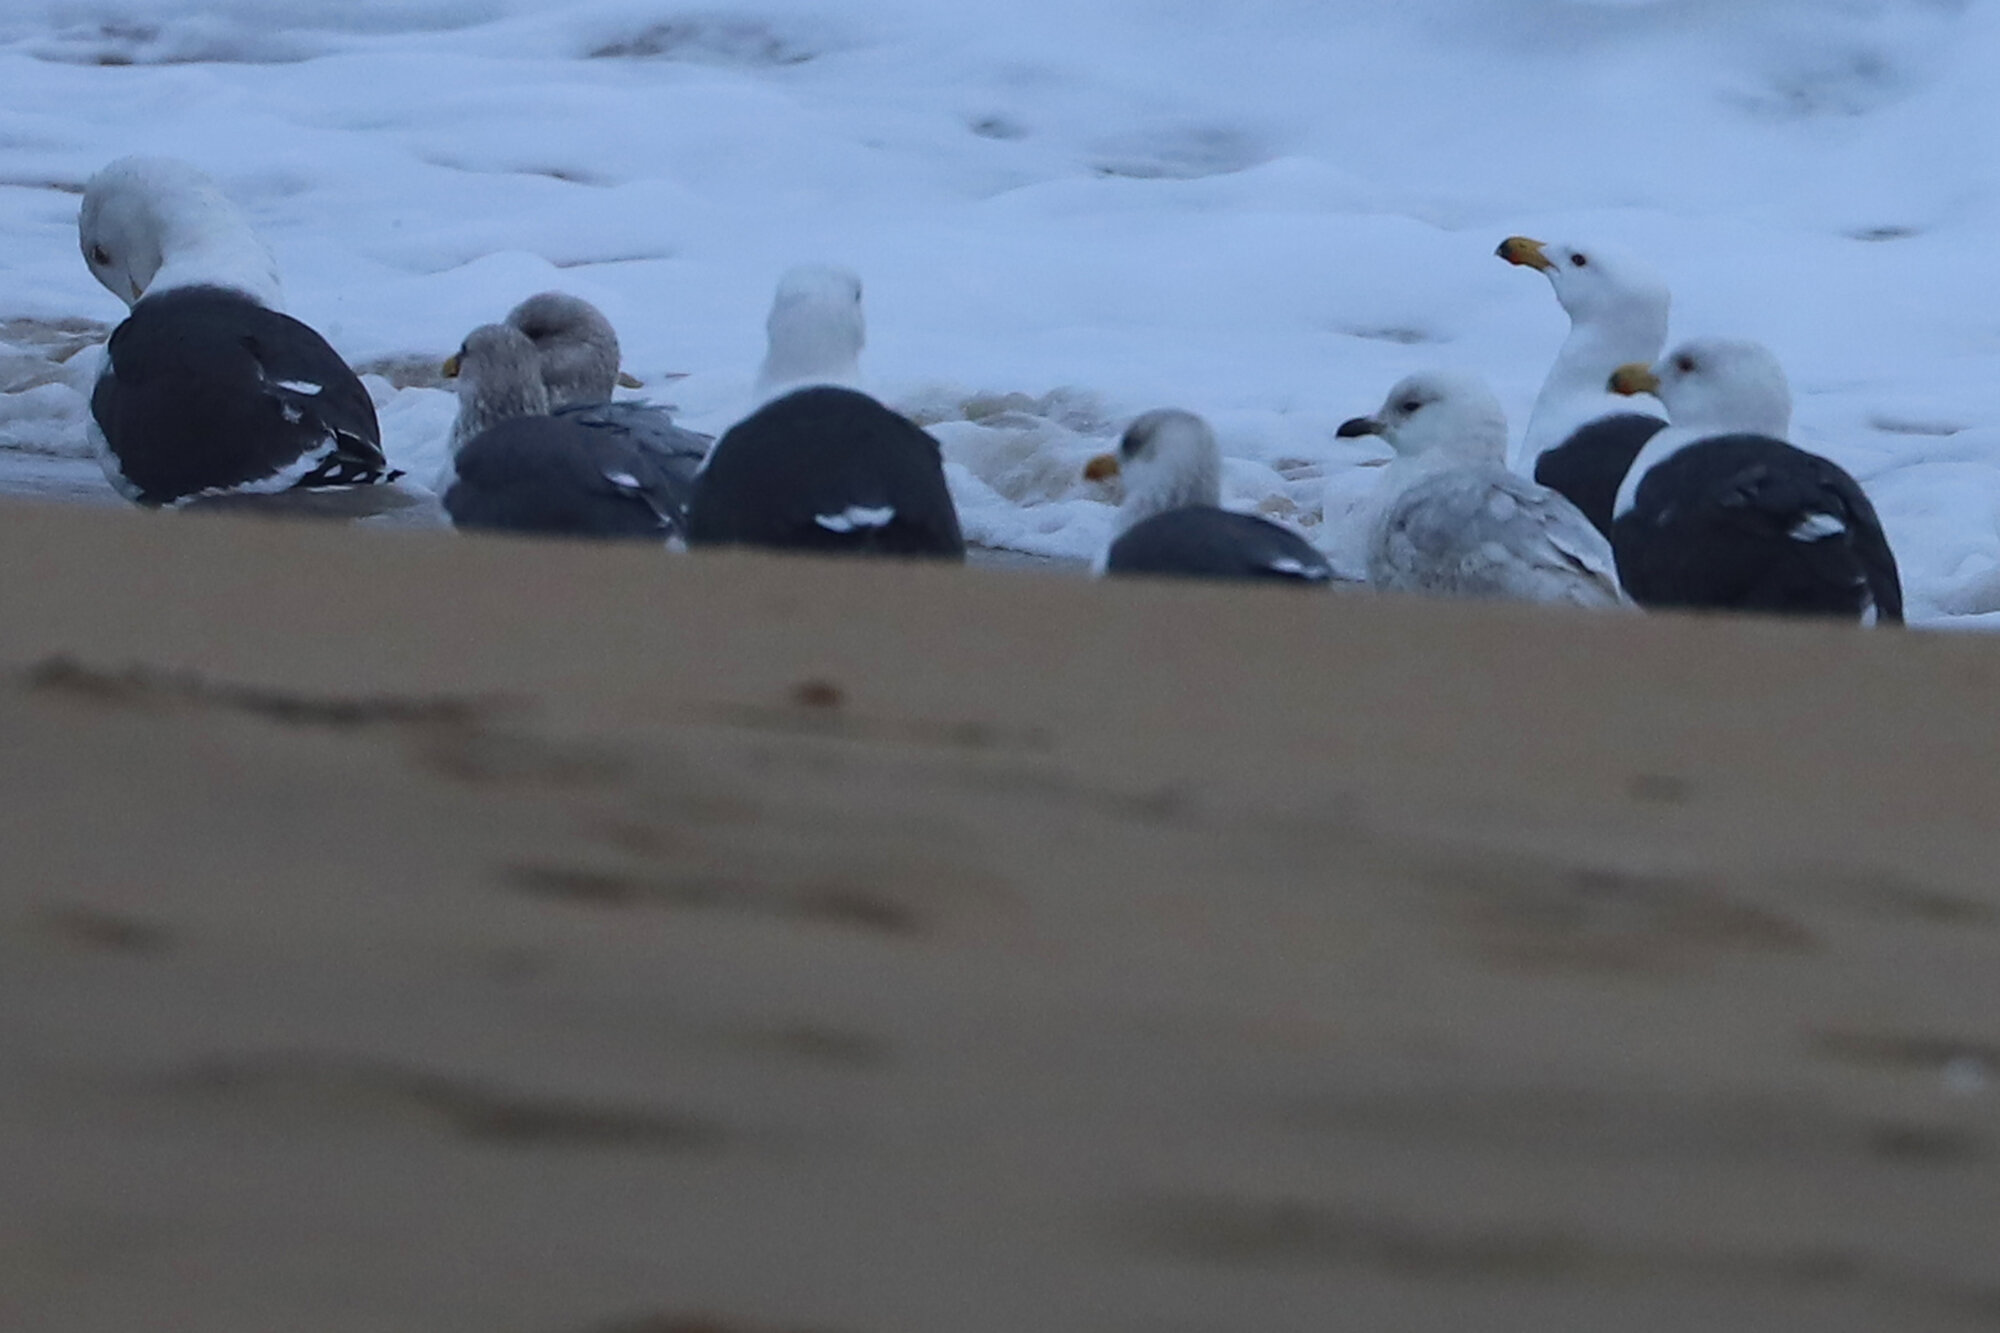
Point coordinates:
[[1067, 213]]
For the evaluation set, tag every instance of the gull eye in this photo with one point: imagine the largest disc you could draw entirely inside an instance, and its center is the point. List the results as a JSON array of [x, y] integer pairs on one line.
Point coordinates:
[[100, 257], [1410, 406], [1579, 261], [1684, 364]]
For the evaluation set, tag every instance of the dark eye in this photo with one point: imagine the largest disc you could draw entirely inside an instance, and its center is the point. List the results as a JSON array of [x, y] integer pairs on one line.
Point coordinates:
[[1579, 261], [1684, 363], [1409, 406], [100, 256]]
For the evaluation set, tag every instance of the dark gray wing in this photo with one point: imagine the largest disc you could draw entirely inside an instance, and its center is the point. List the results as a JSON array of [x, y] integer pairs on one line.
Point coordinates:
[[827, 469], [1752, 523], [1591, 464], [676, 452], [556, 477], [204, 391], [1208, 543]]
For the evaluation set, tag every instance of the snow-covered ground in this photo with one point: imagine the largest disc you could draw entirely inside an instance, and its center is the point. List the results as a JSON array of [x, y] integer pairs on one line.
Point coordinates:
[[1068, 211]]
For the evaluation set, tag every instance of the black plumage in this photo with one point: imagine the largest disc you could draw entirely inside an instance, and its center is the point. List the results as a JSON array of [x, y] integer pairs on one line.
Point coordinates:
[[1750, 523], [1201, 541], [830, 470], [205, 391], [1588, 467], [561, 477]]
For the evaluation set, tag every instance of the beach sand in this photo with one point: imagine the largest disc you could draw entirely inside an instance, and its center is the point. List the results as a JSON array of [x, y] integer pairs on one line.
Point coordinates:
[[403, 931]]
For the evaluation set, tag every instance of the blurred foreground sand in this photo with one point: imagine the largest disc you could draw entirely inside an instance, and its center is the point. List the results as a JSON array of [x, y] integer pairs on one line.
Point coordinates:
[[409, 932]]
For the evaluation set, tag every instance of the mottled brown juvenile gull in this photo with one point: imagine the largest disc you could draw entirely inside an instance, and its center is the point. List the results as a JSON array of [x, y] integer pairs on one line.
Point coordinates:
[[517, 469], [579, 357]]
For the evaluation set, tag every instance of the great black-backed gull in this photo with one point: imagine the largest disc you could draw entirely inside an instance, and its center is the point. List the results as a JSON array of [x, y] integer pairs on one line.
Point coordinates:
[[1580, 438], [1171, 520], [1720, 511], [579, 355], [517, 469], [1451, 517], [207, 389], [826, 469], [815, 331]]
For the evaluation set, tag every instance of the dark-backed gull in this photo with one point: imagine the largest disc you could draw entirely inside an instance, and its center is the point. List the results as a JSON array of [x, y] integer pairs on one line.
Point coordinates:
[[1580, 439], [815, 331], [1171, 520], [1720, 511], [826, 469], [517, 469], [1453, 519], [207, 389], [579, 355]]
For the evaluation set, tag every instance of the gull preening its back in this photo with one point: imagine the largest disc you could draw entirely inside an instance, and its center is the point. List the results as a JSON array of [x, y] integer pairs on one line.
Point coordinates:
[[208, 391]]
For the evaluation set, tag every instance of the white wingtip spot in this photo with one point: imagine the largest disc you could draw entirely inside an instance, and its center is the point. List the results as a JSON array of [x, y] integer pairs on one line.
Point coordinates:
[[1816, 528], [1297, 569], [622, 480], [306, 387], [855, 517]]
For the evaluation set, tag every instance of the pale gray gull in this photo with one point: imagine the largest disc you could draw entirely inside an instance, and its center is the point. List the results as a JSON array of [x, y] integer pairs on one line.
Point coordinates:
[[1452, 519]]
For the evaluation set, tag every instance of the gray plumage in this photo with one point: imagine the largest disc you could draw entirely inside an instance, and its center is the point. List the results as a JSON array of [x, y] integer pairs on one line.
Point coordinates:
[[517, 469], [1482, 531], [579, 357], [499, 378], [1453, 520], [1171, 521], [575, 344]]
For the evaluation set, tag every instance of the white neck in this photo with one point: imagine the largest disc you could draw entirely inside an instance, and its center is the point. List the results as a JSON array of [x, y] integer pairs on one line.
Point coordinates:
[[809, 355], [1665, 444], [1576, 391], [207, 242], [1157, 489]]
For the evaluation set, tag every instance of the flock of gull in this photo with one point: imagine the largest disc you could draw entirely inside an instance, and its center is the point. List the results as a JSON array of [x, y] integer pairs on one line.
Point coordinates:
[[1644, 477]]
